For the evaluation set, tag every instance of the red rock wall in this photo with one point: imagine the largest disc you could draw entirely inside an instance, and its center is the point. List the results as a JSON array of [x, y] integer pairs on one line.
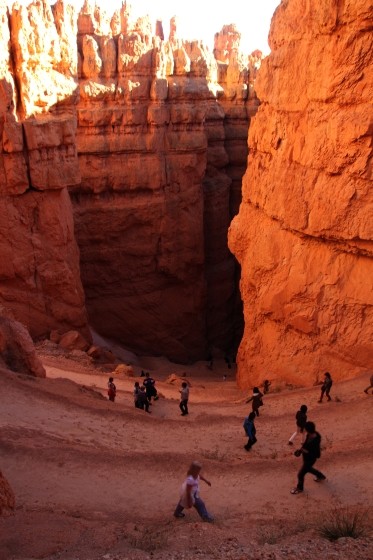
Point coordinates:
[[304, 232], [141, 132], [7, 498], [39, 258]]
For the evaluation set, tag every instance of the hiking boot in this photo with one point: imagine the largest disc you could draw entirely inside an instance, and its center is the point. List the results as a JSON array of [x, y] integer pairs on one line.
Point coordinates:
[[179, 515], [321, 479], [296, 491]]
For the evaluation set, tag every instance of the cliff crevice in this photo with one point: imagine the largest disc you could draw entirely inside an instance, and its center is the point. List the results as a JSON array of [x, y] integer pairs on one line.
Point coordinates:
[[148, 140]]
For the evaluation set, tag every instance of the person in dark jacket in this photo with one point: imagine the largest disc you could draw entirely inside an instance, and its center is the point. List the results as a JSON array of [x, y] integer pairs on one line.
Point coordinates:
[[266, 386], [300, 420], [256, 400], [250, 430], [150, 389], [142, 400], [310, 452], [111, 389], [326, 386]]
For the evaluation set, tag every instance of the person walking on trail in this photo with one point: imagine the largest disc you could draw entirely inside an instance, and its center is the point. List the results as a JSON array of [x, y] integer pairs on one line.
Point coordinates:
[[136, 392], [370, 386], [184, 397], [310, 452], [189, 493], [150, 389], [266, 386], [256, 400], [111, 389], [326, 386], [142, 400], [250, 430], [300, 420]]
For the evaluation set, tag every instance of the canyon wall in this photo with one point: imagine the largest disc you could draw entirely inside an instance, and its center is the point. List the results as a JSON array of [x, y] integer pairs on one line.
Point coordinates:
[[304, 233], [39, 258], [148, 139]]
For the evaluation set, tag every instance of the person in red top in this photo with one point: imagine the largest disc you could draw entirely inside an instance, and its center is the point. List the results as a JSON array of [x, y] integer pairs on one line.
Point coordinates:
[[111, 390]]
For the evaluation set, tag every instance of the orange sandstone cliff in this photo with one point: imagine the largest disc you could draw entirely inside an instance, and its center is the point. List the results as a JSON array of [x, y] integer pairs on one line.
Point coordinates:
[[122, 157], [304, 233]]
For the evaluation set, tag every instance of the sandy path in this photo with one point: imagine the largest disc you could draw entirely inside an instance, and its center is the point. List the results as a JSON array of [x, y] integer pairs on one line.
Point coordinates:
[[68, 452]]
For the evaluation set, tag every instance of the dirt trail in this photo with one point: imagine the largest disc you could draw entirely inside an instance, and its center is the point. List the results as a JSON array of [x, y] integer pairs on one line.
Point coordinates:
[[93, 477]]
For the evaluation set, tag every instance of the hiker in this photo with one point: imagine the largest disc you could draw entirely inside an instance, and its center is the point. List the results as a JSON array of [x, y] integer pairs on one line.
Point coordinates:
[[370, 386], [184, 396], [266, 386], [310, 451], [189, 493], [326, 386], [150, 389], [300, 420], [142, 400], [250, 430], [256, 400], [111, 390], [136, 392]]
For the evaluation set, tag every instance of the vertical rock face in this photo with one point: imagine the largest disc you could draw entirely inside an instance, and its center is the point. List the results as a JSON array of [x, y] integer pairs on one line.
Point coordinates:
[[39, 258], [304, 233], [7, 498], [149, 137], [17, 351]]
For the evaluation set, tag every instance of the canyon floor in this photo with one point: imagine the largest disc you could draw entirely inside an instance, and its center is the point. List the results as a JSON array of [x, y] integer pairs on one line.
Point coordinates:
[[96, 480]]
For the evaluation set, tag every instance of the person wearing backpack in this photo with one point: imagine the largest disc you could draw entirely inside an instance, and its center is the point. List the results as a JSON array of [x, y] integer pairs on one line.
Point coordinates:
[[256, 400], [300, 420], [250, 430], [310, 452], [150, 389]]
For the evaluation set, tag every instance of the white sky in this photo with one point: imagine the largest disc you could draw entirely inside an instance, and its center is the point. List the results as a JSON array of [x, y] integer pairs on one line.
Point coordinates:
[[201, 19]]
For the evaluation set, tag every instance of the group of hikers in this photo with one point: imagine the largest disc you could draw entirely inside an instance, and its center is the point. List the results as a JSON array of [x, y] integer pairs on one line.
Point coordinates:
[[143, 394], [309, 450]]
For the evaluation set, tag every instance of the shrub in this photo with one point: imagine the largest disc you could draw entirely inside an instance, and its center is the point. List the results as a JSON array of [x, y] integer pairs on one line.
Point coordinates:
[[344, 522]]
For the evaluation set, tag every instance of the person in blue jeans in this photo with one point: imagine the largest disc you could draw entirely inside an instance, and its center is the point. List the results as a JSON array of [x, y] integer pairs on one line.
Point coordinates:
[[250, 430], [189, 493]]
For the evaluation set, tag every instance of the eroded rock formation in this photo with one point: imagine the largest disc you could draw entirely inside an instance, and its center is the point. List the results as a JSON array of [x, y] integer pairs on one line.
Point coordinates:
[[39, 258], [7, 498], [17, 351], [149, 137], [304, 233]]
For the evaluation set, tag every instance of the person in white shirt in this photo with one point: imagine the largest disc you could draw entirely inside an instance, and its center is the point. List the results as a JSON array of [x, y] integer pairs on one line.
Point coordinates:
[[189, 493], [184, 396]]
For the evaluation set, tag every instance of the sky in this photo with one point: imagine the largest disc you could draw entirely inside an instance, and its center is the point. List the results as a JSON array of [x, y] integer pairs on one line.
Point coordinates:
[[201, 19]]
